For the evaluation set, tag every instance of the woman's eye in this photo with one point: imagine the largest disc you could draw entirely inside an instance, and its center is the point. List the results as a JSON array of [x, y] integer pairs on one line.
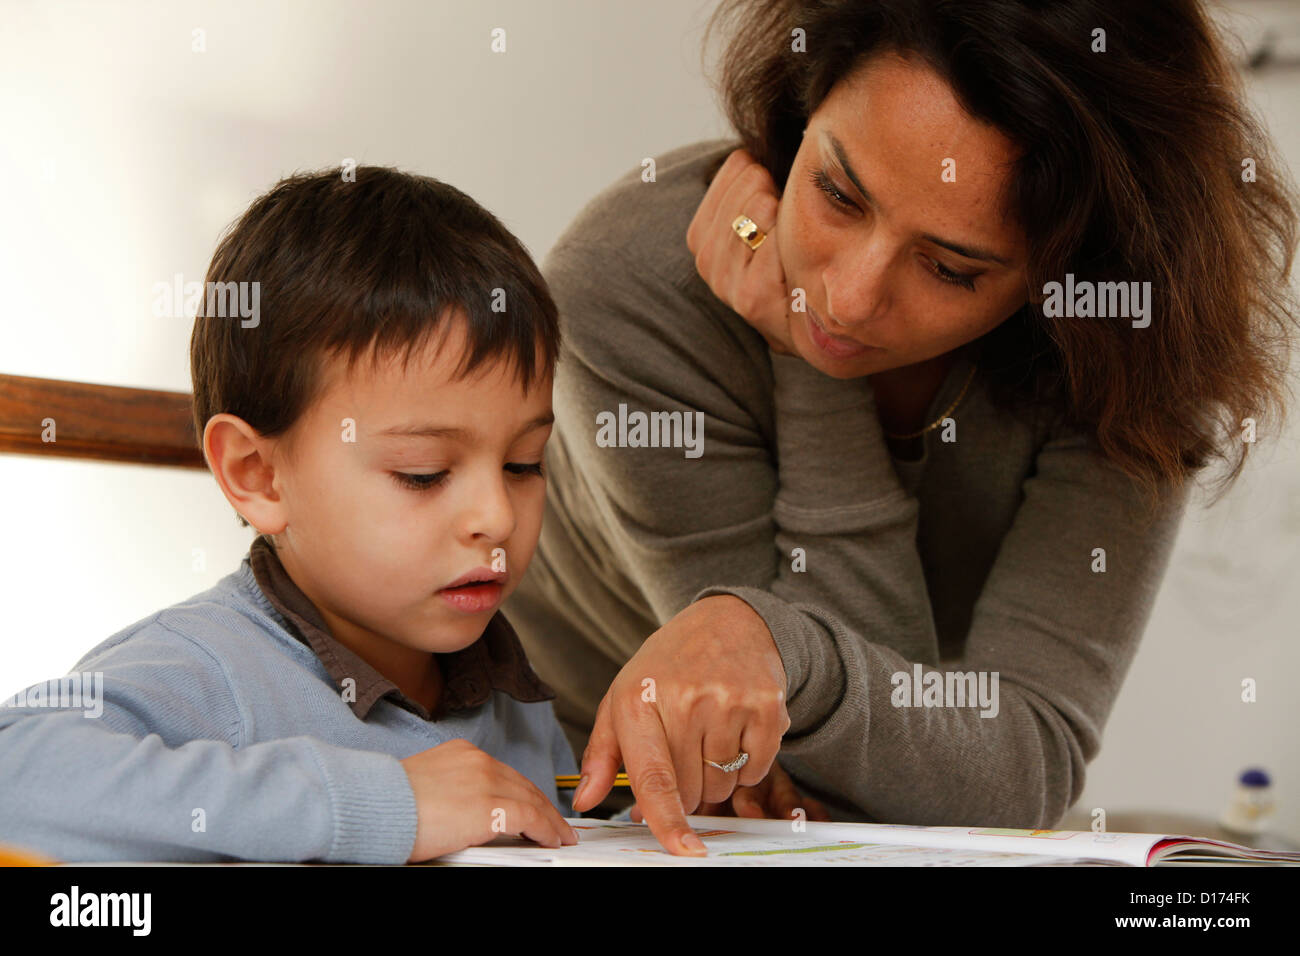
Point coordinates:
[[823, 181], [419, 482], [523, 469], [837, 198], [952, 278]]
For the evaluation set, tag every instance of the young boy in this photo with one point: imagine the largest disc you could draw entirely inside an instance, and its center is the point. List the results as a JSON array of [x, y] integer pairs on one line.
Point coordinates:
[[351, 693]]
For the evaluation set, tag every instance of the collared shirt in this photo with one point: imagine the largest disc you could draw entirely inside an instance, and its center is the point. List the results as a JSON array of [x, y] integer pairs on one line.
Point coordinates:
[[496, 661]]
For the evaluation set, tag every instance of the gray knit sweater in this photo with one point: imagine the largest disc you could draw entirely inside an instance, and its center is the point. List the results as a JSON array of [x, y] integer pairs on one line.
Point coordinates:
[[979, 557]]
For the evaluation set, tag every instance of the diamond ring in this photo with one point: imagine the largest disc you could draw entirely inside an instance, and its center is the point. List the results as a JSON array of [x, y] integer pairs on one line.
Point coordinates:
[[732, 765]]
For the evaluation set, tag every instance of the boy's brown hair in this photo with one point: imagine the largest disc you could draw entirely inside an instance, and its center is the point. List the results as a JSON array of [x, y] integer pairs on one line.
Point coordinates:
[[344, 267]]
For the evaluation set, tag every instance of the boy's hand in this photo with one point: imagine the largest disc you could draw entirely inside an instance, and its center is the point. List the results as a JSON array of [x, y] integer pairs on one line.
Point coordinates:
[[464, 797]]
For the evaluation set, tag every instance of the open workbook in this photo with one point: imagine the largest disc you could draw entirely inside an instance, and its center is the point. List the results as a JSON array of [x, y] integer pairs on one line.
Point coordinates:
[[735, 841]]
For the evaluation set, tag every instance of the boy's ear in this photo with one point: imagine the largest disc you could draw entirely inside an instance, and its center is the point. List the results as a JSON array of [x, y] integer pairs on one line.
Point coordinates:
[[240, 459]]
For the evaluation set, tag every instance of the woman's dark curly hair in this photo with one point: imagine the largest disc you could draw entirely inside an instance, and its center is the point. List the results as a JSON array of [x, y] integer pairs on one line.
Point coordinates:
[[1132, 168]]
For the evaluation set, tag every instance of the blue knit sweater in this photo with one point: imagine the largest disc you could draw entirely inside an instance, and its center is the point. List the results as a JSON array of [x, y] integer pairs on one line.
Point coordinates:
[[220, 736]]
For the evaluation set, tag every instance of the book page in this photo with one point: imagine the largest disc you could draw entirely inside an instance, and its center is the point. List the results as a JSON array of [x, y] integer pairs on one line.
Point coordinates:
[[775, 843]]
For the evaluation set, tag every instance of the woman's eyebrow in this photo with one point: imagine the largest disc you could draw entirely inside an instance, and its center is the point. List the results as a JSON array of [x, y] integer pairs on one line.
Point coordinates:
[[962, 249], [843, 159]]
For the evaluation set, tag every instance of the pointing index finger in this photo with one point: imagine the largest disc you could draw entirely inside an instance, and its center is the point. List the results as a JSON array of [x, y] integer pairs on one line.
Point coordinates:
[[654, 782]]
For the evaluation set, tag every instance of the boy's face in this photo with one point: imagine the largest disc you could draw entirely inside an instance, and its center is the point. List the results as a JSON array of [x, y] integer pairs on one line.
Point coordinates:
[[375, 552]]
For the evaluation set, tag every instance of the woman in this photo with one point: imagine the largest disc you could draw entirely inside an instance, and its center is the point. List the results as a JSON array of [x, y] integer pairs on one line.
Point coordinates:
[[988, 284]]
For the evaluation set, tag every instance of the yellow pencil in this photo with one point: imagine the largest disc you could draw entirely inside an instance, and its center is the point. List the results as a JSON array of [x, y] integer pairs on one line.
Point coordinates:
[[569, 781], [13, 856]]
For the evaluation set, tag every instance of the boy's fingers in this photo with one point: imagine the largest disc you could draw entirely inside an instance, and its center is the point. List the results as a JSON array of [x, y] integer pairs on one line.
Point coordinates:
[[535, 823], [524, 792]]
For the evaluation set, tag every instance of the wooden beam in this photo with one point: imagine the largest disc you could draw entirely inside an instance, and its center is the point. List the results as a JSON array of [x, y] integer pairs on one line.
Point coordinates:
[[102, 422]]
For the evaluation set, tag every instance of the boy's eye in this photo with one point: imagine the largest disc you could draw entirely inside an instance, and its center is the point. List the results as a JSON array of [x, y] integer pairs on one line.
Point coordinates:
[[518, 469], [418, 482]]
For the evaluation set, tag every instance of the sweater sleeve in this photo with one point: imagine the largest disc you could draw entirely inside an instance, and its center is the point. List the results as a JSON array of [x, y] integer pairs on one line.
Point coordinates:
[[1059, 636], [161, 774]]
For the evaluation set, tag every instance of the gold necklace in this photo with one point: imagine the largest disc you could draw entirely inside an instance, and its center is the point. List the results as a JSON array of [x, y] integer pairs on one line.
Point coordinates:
[[946, 412]]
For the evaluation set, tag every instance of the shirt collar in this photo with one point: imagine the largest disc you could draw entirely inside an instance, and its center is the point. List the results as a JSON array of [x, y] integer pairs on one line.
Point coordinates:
[[496, 661]]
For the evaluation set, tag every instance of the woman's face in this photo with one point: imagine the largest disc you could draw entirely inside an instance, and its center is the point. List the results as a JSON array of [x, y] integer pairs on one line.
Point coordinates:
[[898, 264]]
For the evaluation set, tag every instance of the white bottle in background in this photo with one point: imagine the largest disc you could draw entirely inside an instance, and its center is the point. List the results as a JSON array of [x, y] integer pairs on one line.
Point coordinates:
[[1250, 811]]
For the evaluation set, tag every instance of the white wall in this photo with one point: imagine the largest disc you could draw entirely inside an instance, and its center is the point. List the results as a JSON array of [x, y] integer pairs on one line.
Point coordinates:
[[124, 154]]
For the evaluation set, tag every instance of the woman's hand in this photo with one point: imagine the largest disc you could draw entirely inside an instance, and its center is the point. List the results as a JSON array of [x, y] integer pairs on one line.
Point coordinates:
[[707, 685], [751, 282], [775, 797]]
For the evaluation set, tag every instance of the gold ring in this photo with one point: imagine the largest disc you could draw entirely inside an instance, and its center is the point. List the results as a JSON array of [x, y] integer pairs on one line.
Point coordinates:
[[748, 231]]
